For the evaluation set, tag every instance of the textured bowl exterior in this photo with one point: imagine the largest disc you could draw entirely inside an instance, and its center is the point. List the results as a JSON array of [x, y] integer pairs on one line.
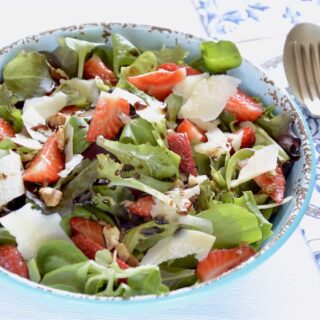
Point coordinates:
[[299, 184]]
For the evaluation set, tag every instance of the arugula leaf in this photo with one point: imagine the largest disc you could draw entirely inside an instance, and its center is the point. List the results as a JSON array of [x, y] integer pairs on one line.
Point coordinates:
[[83, 48], [80, 129], [111, 170], [138, 131], [248, 202], [218, 57], [176, 278], [6, 237], [146, 235], [174, 55], [55, 254], [27, 75], [232, 225], [158, 162], [13, 116], [124, 52]]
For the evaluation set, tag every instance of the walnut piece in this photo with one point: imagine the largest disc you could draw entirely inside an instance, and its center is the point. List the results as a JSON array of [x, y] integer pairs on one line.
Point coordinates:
[[61, 138], [57, 120], [111, 235], [50, 196], [125, 255]]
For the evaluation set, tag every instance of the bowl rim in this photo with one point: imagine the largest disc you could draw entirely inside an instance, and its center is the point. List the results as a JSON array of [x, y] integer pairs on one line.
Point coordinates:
[[267, 251]]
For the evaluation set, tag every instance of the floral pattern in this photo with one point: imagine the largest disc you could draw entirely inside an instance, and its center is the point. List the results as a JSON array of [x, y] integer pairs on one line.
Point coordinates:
[[239, 21]]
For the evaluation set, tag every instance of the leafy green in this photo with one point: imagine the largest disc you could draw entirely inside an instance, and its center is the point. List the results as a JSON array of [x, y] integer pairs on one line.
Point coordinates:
[[174, 55], [146, 62], [34, 274], [232, 225], [248, 202], [6, 237], [146, 235], [80, 129], [6, 96], [176, 278], [27, 75], [55, 254], [174, 104], [105, 53], [138, 131], [13, 116], [155, 161], [111, 170], [83, 48], [218, 57], [205, 199], [159, 185], [124, 52]]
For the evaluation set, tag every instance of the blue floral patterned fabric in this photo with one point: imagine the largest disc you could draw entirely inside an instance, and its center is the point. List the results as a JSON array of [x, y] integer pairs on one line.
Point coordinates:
[[252, 20]]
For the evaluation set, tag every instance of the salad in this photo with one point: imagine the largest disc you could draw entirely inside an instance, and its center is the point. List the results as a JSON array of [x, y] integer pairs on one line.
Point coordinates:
[[128, 172]]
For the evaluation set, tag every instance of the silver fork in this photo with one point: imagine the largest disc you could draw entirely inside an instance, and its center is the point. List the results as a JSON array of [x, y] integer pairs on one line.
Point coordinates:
[[301, 61]]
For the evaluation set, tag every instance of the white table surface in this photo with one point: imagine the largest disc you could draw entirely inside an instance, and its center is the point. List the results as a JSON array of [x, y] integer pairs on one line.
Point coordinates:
[[287, 286]]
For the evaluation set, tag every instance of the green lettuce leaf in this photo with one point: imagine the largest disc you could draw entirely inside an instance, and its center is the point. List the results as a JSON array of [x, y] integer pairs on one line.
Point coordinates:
[[55, 254], [6, 237], [174, 104], [6, 96], [80, 129], [218, 57], [138, 131], [155, 161], [176, 278], [248, 202], [27, 75], [174, 55], [111, 170], [33, 270], [124, 52], [83, 48], [232, 225], [146, 235], [13, 116]]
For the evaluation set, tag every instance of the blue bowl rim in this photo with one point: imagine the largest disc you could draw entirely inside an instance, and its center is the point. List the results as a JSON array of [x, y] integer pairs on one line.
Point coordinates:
[[266, 252]]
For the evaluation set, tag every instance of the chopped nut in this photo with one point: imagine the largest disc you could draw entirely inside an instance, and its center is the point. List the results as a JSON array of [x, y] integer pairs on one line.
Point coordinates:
[[50, 196], [60, 136], [57, 120], [125, 255], [111, 235], [27, 156]]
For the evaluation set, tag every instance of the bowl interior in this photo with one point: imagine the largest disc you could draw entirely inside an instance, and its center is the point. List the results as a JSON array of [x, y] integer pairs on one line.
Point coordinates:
[[301, 178]]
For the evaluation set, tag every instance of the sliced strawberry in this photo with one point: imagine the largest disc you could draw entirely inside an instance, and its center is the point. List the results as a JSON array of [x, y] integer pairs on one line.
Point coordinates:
[[158, 83], [6, 131], [86, 245], [272, 184], [46, 165], [220, 261], [12, 260], [173, 67], [90, 229], [95, 67], [142, 207], [248, 137], [180, 144], [244, 107], [106, 118], [69, 110], [195, 135], [122, 264]]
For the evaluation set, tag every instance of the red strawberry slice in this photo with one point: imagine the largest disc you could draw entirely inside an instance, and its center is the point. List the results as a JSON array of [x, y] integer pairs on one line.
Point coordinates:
[[180, 144], [173, 67], [248, 137], [122, 264], [244, 107], [272, 184], [106, 118], [86, 245], [46, 165], [6, 131], [158, 83], [220, 261], [90, 229], [195, 135], [12, 260], [95, 67], [142, 207]]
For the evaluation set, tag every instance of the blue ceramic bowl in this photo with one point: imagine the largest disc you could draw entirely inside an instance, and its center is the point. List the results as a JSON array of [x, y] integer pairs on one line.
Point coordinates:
[[299, 183]]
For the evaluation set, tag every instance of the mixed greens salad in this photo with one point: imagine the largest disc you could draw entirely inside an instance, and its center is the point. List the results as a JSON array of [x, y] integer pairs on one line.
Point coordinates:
[[128, 172]]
